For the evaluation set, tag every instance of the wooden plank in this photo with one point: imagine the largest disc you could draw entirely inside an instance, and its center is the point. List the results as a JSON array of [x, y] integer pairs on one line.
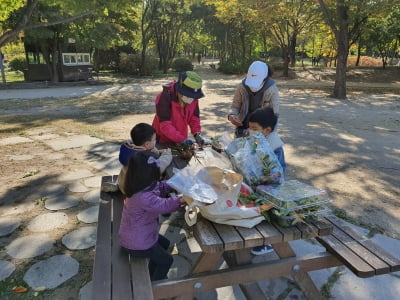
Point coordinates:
[[121, 277], [251, 237], [308, 230], [270, 233], [370, 258], [206, 262], [229, 236], [141, 283], [288, 233], [324, 226], [393, 262], [351, 260], [207, 237], [102, 261], [243, 274]]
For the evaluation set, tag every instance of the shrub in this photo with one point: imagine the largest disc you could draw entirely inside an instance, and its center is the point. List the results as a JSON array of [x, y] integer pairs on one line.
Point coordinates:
[[365, 61], [236, 65], [182, 64], [18, 63], [150, 66], [128, 63]]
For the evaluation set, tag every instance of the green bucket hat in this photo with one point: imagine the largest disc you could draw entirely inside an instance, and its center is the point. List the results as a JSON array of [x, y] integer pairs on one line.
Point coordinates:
[[189, 84]]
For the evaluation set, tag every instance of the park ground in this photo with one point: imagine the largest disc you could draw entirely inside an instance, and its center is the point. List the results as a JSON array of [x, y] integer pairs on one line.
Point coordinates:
[[350, 148]]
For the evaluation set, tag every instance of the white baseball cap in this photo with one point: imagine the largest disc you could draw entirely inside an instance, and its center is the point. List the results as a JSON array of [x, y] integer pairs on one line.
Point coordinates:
[[256, 74]]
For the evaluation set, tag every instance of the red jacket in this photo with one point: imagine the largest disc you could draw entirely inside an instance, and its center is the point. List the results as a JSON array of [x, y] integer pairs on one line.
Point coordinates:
[[172, 120]]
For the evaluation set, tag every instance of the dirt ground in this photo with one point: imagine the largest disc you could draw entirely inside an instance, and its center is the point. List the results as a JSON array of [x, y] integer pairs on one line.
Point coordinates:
[[350, 148]]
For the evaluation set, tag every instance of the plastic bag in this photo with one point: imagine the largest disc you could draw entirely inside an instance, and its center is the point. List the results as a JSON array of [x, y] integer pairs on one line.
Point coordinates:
[[213, 192], [254, 158]]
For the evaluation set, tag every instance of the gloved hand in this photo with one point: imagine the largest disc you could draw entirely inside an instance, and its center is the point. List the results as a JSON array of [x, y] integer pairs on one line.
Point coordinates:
[[188, 142], [199, 139]]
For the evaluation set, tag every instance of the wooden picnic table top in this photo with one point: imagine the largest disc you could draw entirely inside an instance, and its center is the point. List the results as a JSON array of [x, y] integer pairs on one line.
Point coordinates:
[[213, 237]]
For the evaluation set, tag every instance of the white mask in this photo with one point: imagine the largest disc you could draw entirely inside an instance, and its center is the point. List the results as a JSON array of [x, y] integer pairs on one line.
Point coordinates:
[[255, 90], [187, 100]]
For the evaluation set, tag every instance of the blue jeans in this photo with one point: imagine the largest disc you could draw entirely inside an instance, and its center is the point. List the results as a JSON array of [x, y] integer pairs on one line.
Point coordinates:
[[281, 157], [160, 259]]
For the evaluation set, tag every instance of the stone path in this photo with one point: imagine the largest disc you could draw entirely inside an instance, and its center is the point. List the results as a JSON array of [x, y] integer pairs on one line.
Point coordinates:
[[43, 245]]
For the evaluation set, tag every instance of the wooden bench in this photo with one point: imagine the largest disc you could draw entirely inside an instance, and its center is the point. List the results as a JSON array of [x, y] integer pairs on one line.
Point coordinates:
[[116, 275], [357, 252]]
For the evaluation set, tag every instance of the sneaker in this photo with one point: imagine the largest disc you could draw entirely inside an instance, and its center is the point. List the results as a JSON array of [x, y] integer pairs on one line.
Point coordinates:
[[260, 250]]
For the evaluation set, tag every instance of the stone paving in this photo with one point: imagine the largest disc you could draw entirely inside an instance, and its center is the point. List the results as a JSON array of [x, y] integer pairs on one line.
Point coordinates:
[[76, 196]]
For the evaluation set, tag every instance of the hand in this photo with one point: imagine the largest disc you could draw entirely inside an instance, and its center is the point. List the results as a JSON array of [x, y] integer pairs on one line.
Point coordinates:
[[199, 139], [235, 120], [188, 142]]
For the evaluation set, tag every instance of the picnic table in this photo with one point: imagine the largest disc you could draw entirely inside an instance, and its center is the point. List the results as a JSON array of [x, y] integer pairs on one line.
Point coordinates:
[[118, 276]]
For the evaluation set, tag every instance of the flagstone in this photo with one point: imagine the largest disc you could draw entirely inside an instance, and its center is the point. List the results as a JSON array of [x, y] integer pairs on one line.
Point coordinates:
[[29, 246], [6, 269], [89, 215], [47, 222], [51, 272], [8, 225], [82, 238], [61, 202]]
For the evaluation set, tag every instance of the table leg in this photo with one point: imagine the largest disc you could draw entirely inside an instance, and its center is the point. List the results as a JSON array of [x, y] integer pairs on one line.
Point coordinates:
[[240, 257], [302, 278], [206, 262]]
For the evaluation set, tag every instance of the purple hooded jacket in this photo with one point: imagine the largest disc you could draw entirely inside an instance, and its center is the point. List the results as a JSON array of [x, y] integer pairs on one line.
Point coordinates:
[[139, 223]]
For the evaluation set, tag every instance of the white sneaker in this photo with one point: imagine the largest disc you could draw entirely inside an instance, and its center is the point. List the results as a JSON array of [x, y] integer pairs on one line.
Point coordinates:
[[260, 250]]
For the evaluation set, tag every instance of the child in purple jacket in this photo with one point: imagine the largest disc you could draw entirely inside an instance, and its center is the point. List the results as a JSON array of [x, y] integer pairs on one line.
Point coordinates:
[[147, 198]]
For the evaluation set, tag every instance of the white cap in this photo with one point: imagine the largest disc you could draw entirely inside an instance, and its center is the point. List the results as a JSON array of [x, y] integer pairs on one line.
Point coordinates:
[[256, 74]]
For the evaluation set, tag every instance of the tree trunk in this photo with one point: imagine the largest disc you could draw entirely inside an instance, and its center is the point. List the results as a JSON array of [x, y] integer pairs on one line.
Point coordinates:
[[292, 50], [339, 90], [286, 59]]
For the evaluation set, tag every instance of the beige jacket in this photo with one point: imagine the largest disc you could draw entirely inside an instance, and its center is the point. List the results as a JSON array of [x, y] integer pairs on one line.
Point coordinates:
[[240, 103]]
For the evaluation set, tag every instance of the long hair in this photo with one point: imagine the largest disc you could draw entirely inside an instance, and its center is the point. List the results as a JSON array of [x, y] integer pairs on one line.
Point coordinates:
[[143, 172]]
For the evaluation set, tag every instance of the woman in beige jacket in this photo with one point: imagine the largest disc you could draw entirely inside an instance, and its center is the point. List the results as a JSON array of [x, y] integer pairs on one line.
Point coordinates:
[[257, 90]]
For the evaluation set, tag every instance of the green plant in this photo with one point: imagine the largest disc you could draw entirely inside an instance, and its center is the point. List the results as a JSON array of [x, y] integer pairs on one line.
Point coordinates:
[[18, 63], [182, 64]]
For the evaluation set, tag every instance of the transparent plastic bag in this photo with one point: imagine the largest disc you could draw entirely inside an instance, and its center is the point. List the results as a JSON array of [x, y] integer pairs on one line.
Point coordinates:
[[254, 158]]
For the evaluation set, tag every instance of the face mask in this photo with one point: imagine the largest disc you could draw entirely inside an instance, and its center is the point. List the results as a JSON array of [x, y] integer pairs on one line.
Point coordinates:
[[253, 132], [254, 90], [187, 100], [154, 143]]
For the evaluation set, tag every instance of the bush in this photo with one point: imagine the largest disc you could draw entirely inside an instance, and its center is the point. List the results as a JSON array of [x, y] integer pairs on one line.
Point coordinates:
[[150, 66], [365, 61], [18, 63], [236, 65], [128, 63], [182, 64]]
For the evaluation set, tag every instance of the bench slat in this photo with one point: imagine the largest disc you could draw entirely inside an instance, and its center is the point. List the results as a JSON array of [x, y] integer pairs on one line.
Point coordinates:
[[370, 258], [121, 278], [202, 233], [349, 258], [102, 261], [392, 261], [251, 237], [142, 287]]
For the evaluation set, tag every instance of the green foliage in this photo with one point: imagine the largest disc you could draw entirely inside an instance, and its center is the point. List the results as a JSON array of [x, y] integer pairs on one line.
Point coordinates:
[[130, 63], [150, 66], [18, 63], [182, 64], [236, 65]]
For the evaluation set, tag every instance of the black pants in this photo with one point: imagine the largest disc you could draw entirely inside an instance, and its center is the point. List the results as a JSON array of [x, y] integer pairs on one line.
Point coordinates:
[[160, 259]]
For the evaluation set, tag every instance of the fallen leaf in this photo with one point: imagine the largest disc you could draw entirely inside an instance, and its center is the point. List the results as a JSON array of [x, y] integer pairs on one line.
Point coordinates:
[[20, 289], [40, 288]]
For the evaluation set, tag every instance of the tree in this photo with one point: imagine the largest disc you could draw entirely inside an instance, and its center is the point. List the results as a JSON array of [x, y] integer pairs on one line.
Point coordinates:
[[346, 19], [167, 29]]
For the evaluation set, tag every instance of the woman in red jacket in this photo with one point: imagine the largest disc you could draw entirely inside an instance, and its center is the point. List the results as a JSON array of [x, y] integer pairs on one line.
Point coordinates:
[[177, 108]]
